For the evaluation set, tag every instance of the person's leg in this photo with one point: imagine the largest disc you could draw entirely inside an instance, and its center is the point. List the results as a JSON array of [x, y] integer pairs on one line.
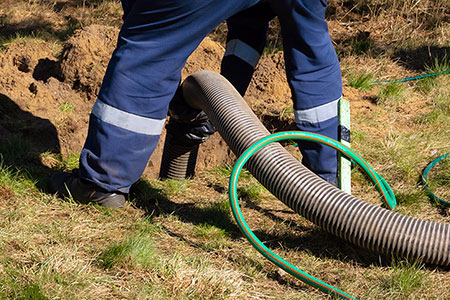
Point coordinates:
[[246, 39], [143, 74], [314, 77], [127, 5]]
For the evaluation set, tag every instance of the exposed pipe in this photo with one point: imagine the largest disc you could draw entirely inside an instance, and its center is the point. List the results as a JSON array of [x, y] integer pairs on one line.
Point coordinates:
[[338, 213]]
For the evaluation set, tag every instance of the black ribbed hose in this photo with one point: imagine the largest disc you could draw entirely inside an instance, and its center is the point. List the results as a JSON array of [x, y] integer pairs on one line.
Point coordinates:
[[177, 162], [343, 215]]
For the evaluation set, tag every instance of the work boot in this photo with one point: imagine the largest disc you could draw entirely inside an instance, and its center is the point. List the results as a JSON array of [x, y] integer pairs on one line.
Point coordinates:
[[70, 185]]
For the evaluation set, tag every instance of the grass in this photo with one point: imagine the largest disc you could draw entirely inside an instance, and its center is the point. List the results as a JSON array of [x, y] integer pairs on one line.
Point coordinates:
[[217, 214], [16, 181], [21, 291], [361, 81], [139, 250], [178, 239], [391, 94], [439, 179], [405, 279], [252, 192], [215, 238], [66, 107], [439, 65]]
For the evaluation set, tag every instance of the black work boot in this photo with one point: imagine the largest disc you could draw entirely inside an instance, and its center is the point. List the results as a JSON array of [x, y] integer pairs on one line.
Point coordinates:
[[69, 184]]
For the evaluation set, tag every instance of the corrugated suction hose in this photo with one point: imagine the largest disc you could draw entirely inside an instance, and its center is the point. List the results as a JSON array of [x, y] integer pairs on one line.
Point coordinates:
[[178, 162], [338, 213]]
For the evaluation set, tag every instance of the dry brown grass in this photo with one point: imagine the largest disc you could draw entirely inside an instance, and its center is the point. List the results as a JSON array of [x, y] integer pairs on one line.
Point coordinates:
[[178, 241]]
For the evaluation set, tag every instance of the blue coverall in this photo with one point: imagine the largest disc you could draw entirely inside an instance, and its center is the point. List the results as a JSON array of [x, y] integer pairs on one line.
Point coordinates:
[[154, 43], [312, 69]]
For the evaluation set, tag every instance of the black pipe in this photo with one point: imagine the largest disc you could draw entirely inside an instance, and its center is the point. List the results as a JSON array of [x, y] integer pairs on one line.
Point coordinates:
[[343, 215]]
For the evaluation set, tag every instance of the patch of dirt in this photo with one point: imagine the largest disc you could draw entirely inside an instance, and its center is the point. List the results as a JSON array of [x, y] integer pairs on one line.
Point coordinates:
[[37, 85], [85, 58], [6, 196], [30, 102]]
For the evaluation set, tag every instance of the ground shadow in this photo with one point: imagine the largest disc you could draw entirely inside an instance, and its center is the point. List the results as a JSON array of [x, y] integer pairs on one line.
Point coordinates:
[[23, 138], [155, 203], [275, 123], [420, 58], [311, 239]]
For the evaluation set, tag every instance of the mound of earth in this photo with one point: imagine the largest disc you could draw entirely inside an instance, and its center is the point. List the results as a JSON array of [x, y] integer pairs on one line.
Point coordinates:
[[52, 96], [85, 58]]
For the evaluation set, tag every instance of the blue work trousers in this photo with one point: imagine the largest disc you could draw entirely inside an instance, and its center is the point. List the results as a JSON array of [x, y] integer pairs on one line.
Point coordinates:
[[312, 68], [154, 43], [143, 74]]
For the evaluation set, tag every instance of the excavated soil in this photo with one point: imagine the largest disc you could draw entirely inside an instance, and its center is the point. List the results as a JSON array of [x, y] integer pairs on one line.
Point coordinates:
[[35, 86], [52, 96]]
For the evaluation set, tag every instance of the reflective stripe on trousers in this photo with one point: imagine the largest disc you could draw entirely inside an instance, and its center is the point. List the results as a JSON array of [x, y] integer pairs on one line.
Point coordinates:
[[142, 76], [312, 69]]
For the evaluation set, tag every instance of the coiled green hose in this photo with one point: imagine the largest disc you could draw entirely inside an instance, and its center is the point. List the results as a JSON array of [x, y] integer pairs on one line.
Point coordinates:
[[424, 179], [381, 184]]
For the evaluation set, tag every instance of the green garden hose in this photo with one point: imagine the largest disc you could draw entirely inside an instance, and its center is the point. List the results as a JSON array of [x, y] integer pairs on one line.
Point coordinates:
[[412, 78], [424, 179], [381, 184]]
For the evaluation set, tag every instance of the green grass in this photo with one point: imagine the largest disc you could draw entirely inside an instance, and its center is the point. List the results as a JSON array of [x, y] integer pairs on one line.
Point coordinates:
[[138, 250], [66, 107], [439, 65], [217, 214], [70, 161], [18, 182], [405, 279], [287, 113], [409, 197], [360, 47], [176, 186], [426, 85], [251, 191], [361, 81], [439, 179], [439, 113], [391, 94], [16, 148], [225, 172], [213, 238], [178, 240], [13, 289]]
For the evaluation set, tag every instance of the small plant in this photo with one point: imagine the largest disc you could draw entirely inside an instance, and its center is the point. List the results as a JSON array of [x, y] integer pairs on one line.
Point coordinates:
[[391, 93], [215, 238], [405, 279], [138, 250], [362, 81], [66, 107], [439, 65], [251, 192], [426, 85]]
